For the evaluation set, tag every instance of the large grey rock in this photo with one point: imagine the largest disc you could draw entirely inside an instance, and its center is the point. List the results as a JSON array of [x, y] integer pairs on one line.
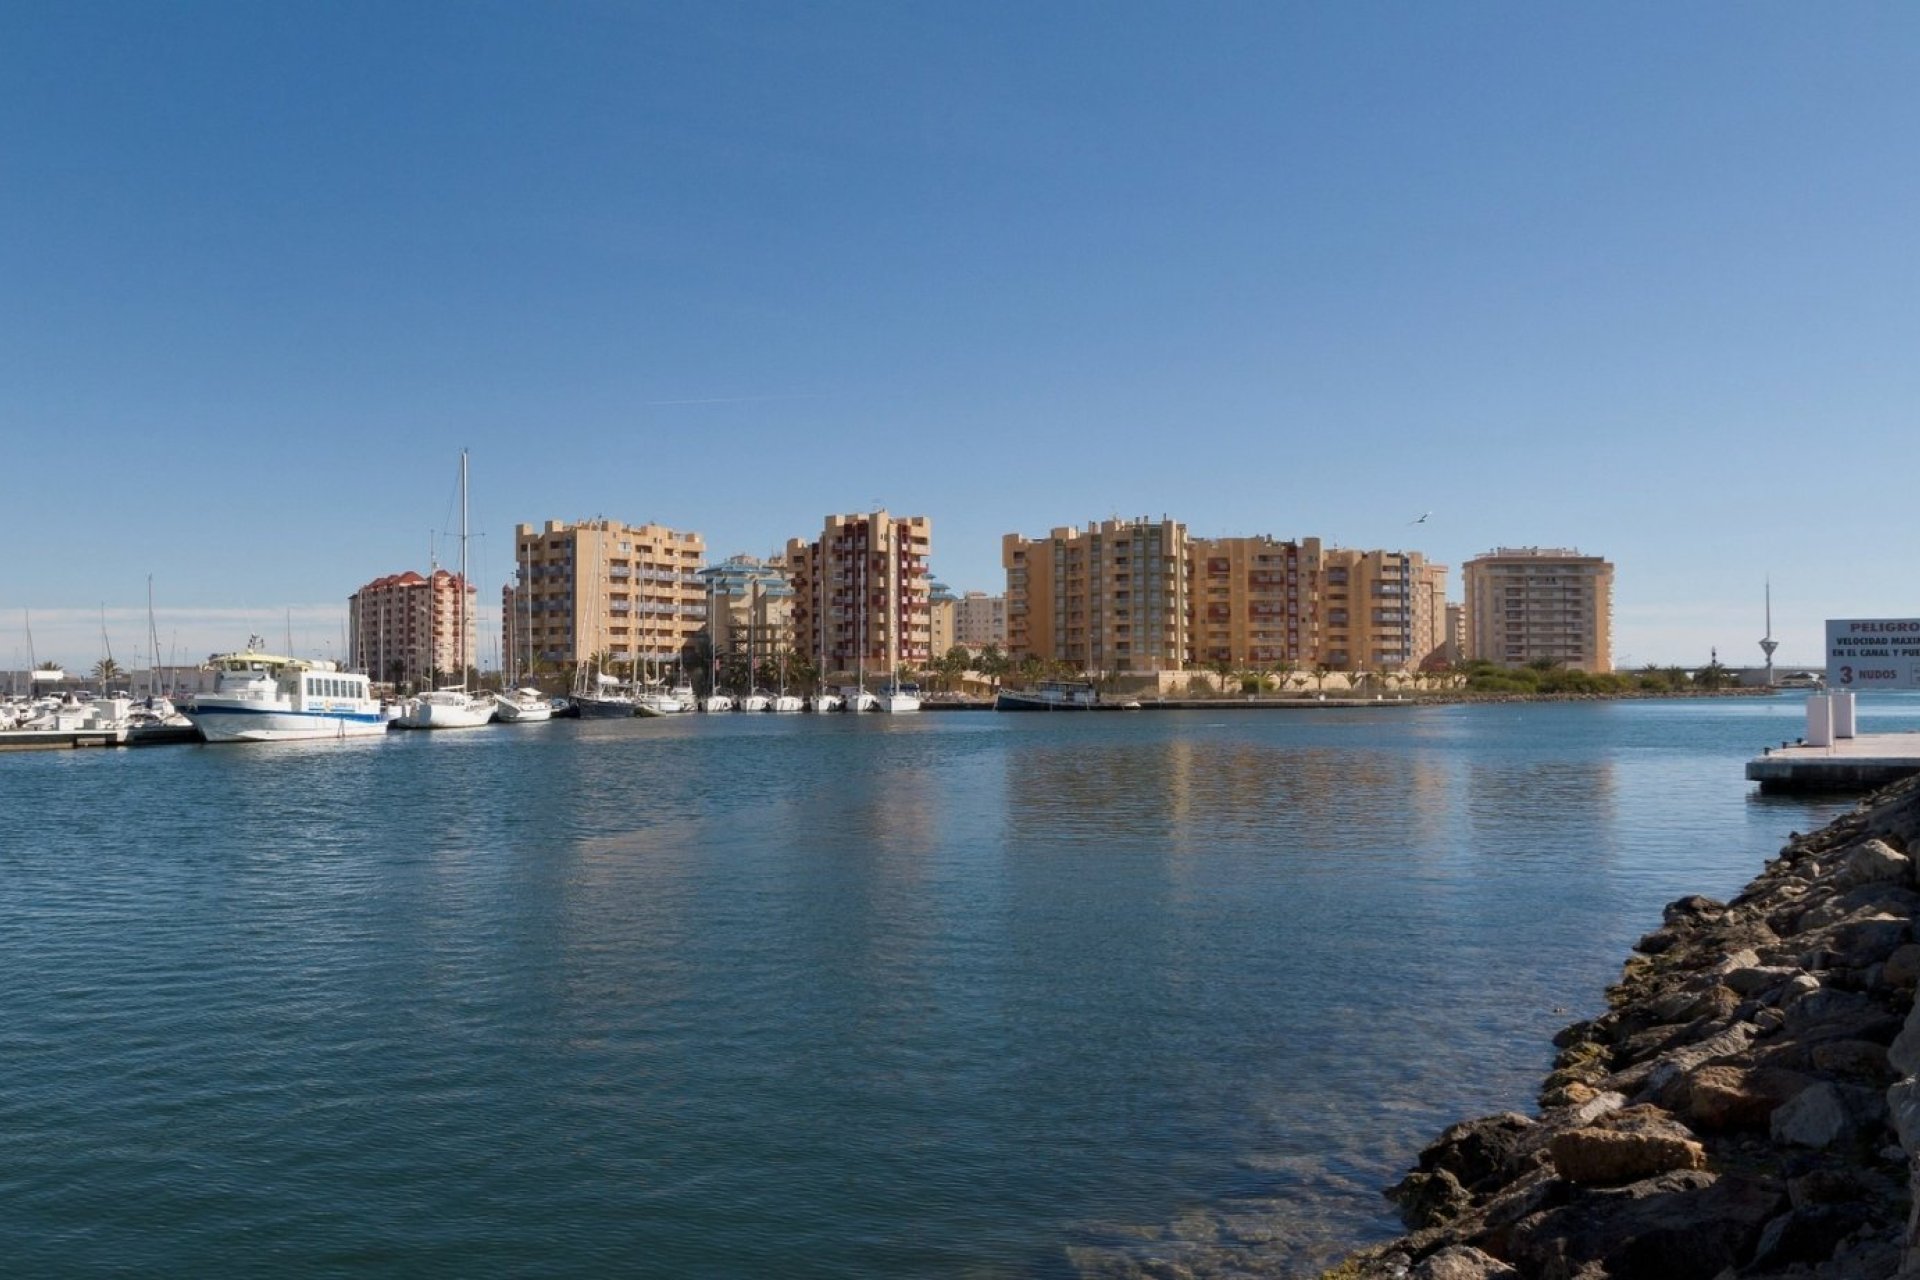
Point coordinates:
[[1903, 1103], [1815, 1117], [1872, 861], [1746, 958], [1827, 1115], [1462, 1262], [1903, 1056]]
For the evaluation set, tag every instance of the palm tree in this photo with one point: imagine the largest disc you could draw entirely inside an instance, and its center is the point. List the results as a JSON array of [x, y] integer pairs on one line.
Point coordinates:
[[106, 669], [1222, 669], [993, 664], [952, 665]]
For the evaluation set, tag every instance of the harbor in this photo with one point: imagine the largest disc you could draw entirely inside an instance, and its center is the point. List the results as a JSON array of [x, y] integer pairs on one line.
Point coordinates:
[[704, 977]]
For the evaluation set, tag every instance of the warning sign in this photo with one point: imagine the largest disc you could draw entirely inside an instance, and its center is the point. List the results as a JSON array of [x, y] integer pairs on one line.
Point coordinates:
[[1873, 653]]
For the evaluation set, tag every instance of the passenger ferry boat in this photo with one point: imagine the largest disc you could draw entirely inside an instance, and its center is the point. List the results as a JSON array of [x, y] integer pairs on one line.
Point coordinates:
[[263, 697]]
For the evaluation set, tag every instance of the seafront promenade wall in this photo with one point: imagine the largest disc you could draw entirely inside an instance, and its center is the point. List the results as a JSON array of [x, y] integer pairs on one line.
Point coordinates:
[[1748, 1105]]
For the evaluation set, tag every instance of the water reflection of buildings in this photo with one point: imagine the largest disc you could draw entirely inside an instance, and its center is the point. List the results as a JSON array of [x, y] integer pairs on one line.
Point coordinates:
[[1191, 795]]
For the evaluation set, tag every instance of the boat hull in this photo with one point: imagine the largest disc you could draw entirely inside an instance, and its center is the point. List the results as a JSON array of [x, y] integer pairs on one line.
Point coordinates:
[[1059, 698], [603, 708], [513, 712], [218, 723], [469, 714]]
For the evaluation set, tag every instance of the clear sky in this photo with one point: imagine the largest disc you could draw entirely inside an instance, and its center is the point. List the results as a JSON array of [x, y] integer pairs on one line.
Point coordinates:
[[1636, 278]]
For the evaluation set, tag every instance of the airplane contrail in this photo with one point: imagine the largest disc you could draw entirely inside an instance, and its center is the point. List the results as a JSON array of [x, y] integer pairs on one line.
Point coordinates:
[[798, 395]]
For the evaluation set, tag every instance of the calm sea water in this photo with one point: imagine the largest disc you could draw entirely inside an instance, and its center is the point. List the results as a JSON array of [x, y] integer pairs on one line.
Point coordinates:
[[954, 995]]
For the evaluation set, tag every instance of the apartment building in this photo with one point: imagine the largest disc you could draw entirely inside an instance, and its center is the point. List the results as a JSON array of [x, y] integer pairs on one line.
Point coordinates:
[[1254, 601], [406, 629], [1529, 604], [749, 607], [1380, 610], [600, 586], [1114, 596], [862, 593], [980, 620], [942, 606]]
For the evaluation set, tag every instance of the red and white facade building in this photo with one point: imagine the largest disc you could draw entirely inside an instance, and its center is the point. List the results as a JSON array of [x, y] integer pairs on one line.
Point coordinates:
[[404, 629], [862, 593]]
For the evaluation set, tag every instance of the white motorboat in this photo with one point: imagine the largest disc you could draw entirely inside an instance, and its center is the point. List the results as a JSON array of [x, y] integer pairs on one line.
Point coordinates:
[[657, 702], [262, 697], [523, 706], [446, 709]]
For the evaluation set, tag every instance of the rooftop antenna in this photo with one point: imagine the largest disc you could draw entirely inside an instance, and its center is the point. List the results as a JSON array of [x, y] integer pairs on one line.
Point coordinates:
[[1769, 644]]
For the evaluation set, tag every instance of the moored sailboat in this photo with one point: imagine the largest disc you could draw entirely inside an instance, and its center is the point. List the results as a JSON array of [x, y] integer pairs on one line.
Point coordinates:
[[452, 707]]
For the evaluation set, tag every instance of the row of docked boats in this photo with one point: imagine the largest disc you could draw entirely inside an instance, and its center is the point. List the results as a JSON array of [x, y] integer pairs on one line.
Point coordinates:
[[85, 713], [264, 697], [611, 701]]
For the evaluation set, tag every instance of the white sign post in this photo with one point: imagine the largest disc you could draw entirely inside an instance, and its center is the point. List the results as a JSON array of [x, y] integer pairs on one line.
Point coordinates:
[[1873, 653]]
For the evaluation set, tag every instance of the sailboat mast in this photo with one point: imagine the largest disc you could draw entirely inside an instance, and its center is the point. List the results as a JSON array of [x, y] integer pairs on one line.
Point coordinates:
[[106, 671], [153, 645], [460, 601]]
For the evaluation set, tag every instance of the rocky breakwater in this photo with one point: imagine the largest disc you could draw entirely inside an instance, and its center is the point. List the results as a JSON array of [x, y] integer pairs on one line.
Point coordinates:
[[1749, 1104]]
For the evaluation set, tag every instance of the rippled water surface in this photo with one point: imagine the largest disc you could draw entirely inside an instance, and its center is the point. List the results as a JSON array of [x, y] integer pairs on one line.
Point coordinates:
[[948, 995]]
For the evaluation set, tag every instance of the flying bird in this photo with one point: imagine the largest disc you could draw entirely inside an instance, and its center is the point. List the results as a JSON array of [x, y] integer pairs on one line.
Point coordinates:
[[1421, 518]]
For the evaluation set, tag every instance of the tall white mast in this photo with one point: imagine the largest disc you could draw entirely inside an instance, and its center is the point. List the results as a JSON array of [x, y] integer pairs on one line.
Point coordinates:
[[460, 606]]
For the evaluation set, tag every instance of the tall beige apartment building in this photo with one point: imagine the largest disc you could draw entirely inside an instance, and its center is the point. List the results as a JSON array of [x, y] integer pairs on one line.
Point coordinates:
[[600, 586], [1529, 604], [980, 620], [405, 629], [1114, 596], [861, 593], [1380, 610], [1254, 601], [1260, 602]]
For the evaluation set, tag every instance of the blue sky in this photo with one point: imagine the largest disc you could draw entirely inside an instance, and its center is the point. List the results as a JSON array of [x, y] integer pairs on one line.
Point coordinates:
[[1634, 278]]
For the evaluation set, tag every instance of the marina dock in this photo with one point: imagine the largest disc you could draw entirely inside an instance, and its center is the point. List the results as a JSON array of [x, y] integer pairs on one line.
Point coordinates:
[[1864, 763], [69, 739]]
